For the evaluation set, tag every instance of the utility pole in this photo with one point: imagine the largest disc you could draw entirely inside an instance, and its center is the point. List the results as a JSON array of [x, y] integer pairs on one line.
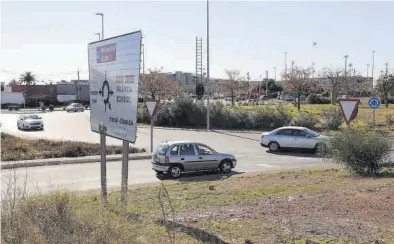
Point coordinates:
[[350, 74], [347, 88], [373, 67], [387, 69], [285, 62], [275, 74], [292, 65], [248, 78], [208, 81], [266, 83]]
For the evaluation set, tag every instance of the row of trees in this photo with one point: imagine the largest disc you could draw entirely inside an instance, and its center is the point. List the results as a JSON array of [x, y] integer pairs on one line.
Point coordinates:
[[298, 81]]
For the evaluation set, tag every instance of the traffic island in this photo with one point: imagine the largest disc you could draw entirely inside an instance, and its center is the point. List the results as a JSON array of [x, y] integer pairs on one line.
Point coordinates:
[[19, 152]]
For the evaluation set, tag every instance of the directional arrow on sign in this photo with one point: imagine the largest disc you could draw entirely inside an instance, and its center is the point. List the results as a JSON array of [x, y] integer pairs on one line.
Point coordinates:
[[349, 109]]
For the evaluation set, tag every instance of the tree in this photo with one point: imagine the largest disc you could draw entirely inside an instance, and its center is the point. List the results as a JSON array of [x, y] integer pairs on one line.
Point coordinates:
[[335, 80], [298, 81], [156, 83], [272, 86], [385, 85], [12, 82], [27, 78], [232, 85]]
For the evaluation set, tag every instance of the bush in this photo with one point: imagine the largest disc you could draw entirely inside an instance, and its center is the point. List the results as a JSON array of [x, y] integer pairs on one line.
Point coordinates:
[[389, 120], [361, 152], [282, 117], [304, 120], [315, 99], [332, 119], [51, 108]]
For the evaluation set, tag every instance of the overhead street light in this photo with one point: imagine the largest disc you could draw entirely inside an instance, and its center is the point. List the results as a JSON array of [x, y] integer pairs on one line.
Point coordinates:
[[102, 24]]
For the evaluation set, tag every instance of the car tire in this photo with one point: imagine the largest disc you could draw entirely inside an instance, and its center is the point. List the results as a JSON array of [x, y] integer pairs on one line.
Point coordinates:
[[273, 146], [17, 125], [320, 148], [225, 166], [175, 171]]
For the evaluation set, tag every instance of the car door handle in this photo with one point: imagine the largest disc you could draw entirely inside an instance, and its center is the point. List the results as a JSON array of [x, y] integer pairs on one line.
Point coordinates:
[[199, 157], [182, 158]]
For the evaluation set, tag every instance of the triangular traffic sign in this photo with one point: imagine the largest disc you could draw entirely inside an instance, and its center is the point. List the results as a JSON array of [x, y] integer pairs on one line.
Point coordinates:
[[349, 108], [151, 104]]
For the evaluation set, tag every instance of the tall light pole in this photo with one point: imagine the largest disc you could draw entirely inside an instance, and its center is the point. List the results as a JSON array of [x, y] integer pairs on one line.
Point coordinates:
[[285, 62], [99, 35], [387, 68], [275, 74], [208, 81], [372, 69], [350, 75], [347, 88], [102, 24]]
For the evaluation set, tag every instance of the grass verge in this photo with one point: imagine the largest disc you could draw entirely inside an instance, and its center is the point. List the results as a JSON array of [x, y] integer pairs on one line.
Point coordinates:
[[14, 148], [305, 206]]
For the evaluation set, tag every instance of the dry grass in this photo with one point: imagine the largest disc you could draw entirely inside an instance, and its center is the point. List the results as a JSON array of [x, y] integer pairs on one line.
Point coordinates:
[[325, 206], [15, 148]]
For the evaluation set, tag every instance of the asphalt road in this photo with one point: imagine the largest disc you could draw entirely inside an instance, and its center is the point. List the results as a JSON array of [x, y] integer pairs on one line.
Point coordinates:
[[60, 125]]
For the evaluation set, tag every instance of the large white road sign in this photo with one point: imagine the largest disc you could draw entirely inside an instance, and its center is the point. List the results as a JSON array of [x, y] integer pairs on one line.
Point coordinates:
[[114, 70]]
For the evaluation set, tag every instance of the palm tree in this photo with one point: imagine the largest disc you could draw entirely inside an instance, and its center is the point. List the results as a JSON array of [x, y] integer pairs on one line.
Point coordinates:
[[27, 78]]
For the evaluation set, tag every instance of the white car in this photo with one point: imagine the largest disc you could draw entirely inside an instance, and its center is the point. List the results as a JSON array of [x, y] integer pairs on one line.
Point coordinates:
[[75, 107], [293, 137], [30, 122]]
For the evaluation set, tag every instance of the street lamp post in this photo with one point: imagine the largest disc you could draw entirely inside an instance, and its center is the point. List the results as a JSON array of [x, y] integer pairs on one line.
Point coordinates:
[[347, 89], [275, 74], [285, 62], [102, 24], [208, 81], [372, 69], [99, 35]]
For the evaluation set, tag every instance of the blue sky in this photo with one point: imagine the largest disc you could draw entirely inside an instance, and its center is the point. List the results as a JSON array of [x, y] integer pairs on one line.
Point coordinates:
[[50, 38]]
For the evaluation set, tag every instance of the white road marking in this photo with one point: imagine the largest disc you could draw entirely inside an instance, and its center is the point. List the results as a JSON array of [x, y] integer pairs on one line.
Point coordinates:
[[267, 165]]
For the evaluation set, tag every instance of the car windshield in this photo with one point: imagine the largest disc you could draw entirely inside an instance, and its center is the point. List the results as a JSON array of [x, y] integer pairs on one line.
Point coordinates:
[[161, 149], [311, 132], [32, 117]]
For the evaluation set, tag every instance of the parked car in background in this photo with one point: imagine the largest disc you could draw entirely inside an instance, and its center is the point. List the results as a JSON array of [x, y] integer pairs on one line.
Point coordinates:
[[293, 137], [30, 122], [75, 107], [176, 157], [289, 98]]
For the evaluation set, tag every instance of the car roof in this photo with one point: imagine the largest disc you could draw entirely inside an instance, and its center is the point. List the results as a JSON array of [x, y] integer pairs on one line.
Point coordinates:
[[28, 115], [181, 142], [291, 127]]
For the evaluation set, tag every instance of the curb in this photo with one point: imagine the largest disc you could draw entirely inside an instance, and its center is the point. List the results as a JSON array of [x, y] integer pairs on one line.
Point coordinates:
[[202, 130], [79, 160]]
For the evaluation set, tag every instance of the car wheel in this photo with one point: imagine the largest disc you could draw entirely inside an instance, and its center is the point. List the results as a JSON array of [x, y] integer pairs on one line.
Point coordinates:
[[175, 171], [273, 146], [17, 125], [75, 110], [225, 166], [320, 148]]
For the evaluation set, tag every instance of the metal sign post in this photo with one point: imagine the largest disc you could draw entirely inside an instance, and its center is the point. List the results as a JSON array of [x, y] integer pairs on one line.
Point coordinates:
[[114, 71], [152, 105], [374, 103], [125, 173], [103, 165]]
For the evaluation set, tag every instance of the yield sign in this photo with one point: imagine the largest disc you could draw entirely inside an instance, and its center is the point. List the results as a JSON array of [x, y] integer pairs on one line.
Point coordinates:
[[349, 109], [151, 104]]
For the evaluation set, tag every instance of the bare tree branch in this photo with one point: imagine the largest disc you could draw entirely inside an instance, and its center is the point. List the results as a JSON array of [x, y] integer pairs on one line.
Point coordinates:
[[298, 81], [157, 84]]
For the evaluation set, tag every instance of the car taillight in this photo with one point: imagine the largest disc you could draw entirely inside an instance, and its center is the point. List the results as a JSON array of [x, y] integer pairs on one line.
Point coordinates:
[[166, 159]]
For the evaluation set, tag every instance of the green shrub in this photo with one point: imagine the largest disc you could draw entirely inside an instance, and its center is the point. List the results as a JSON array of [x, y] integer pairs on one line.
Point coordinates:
[[51, 108], [304, 120], [315, 99], [389, 120], [332, 119], [359, 151], [282, 117]]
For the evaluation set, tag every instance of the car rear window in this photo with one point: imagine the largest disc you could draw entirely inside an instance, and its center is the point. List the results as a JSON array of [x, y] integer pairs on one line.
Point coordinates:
[[161, 149]]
